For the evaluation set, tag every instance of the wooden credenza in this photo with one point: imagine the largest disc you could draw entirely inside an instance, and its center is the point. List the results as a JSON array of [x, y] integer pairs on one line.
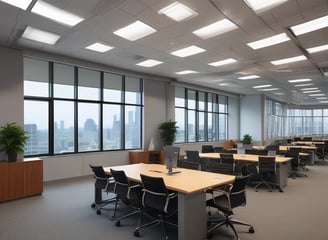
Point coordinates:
[[146, 156], [21, 179]]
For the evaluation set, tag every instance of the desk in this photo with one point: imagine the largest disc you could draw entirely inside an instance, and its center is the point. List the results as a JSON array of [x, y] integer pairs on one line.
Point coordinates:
[[191, 199], [307, 143], [311, 148], [282, 164]]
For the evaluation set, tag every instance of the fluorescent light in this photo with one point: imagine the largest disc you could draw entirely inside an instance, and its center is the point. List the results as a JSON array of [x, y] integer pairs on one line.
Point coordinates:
[[23, 4], [135, 31], [262, 86], [186, 72], [323, 101], [268, 89], [317, 49], [40, 35], [249, 77], [149, 63], [303, 85], [316, 95], [310, 26], [223, 62], [263, 5], [224, 84], [288, 60], [178, 12], [308, 89], [266, 42], [300, 80], [59, 15], [278, 93], [99, 47], [321, 98], [188, 51], [215, 29], [313, 91]]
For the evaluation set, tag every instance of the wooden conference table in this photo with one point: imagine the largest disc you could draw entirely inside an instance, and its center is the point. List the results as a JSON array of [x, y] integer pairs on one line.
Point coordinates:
[[189, 184], [283, 164]]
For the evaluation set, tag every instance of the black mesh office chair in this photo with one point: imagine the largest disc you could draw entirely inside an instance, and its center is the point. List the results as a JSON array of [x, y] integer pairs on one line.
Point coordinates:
[[294, 172], [214, 165], [225, 202], [105, 183], [192, 161], [207, 148], [127, 192], [267, 172], [159, 201]]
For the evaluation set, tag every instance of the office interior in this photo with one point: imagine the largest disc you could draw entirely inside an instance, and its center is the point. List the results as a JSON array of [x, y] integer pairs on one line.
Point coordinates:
[[246, 106]]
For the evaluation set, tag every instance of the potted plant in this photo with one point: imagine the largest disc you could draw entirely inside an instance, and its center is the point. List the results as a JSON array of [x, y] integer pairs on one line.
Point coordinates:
[[247, 140], [12, 140], [168, 132]]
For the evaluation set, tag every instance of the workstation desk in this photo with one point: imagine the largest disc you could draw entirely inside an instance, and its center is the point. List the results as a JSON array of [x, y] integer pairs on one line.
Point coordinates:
[[283, 164], [190, 185], [311, 151]]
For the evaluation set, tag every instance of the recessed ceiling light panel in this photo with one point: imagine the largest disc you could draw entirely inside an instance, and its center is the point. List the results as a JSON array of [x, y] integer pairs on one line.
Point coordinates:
[[259, 6], [40, 36], [266, 42], [188, 51], [300, 80], [99, 47], [223, 62], [178, 12], [310, 26], [289, 60], [56, 14], [149, 63], [249, 77], [22, 4], [263, 86], [215, 29], [317, 49], [186, 72], [135, 31]]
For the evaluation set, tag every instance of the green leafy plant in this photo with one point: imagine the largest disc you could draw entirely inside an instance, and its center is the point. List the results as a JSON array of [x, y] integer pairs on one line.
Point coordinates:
[[12, 140], [168, 132], [247, 139]]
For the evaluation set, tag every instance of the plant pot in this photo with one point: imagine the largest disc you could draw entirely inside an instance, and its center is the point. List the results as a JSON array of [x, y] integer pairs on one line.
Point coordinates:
[[12, 157]]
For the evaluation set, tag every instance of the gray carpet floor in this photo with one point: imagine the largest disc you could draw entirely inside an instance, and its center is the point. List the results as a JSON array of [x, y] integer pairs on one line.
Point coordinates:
[[63, 212]]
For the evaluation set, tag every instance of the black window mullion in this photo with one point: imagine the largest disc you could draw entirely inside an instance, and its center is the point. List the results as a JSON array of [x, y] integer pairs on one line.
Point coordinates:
[[76, 127], [51, 109]]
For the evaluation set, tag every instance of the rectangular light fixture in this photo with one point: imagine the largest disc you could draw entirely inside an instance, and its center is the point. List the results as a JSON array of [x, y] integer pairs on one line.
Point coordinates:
[[268, 89], [186, 72], [321, 98], [317, 49], [40, 35], [308, 89], [149, 63], [289, 60], [262, 86], [178, 12], [249, 77], [310, 26], [303, 85], [316, 94], [56, 14], [259, 6], [323, 101], [215, 29], [223, 62], [300, 80], [135, 31], [22, 4], [313, 91], [188, 51], [99, 47], [266, 42]]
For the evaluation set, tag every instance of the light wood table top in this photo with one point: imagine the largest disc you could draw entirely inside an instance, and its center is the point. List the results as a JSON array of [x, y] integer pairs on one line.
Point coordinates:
[[307, 143], [187, 181], [245, 157], [285, 148]]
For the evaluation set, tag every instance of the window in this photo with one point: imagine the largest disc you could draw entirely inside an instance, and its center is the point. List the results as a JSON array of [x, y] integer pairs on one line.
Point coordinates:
[[69, 109], [200, 116]]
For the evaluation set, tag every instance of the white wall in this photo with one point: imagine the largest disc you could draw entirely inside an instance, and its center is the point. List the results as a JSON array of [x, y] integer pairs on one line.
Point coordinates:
[[233, 118]]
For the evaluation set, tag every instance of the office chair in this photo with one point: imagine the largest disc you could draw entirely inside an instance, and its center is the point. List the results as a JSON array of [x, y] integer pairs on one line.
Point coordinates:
[[307, 139], [193, 160], [294, 172], [158, 200], [207, 149], [225, 202], [103, 183], [214, 165], [267, 169], [127, 192]]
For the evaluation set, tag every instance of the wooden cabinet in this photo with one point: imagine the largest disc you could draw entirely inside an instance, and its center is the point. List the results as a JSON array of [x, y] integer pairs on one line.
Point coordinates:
[[21, 179], [146, 156]]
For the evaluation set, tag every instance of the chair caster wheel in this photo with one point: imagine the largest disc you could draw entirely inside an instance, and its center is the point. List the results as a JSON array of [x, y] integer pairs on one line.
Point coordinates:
[[118, 223], [98, 212], [136, 233], [251, 230], [93, 205], [209, 235]]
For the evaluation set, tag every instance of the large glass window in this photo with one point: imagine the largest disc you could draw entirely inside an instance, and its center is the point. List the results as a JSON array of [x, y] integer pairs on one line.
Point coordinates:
[[202, 115], [68, 109]]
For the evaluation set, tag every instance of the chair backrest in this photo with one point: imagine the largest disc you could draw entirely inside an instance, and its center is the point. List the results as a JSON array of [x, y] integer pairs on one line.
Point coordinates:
[[102, 179], [213, 165], [227, 158], [156, 196], [251, 151], [193, 156], [207, 148], [295, 157], [267, 165], [238, 191], [98, 172], [307, 139]]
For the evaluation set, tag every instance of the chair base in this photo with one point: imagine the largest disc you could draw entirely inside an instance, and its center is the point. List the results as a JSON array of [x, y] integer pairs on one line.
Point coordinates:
[[296, 174], [100, 205], [227, 221]]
